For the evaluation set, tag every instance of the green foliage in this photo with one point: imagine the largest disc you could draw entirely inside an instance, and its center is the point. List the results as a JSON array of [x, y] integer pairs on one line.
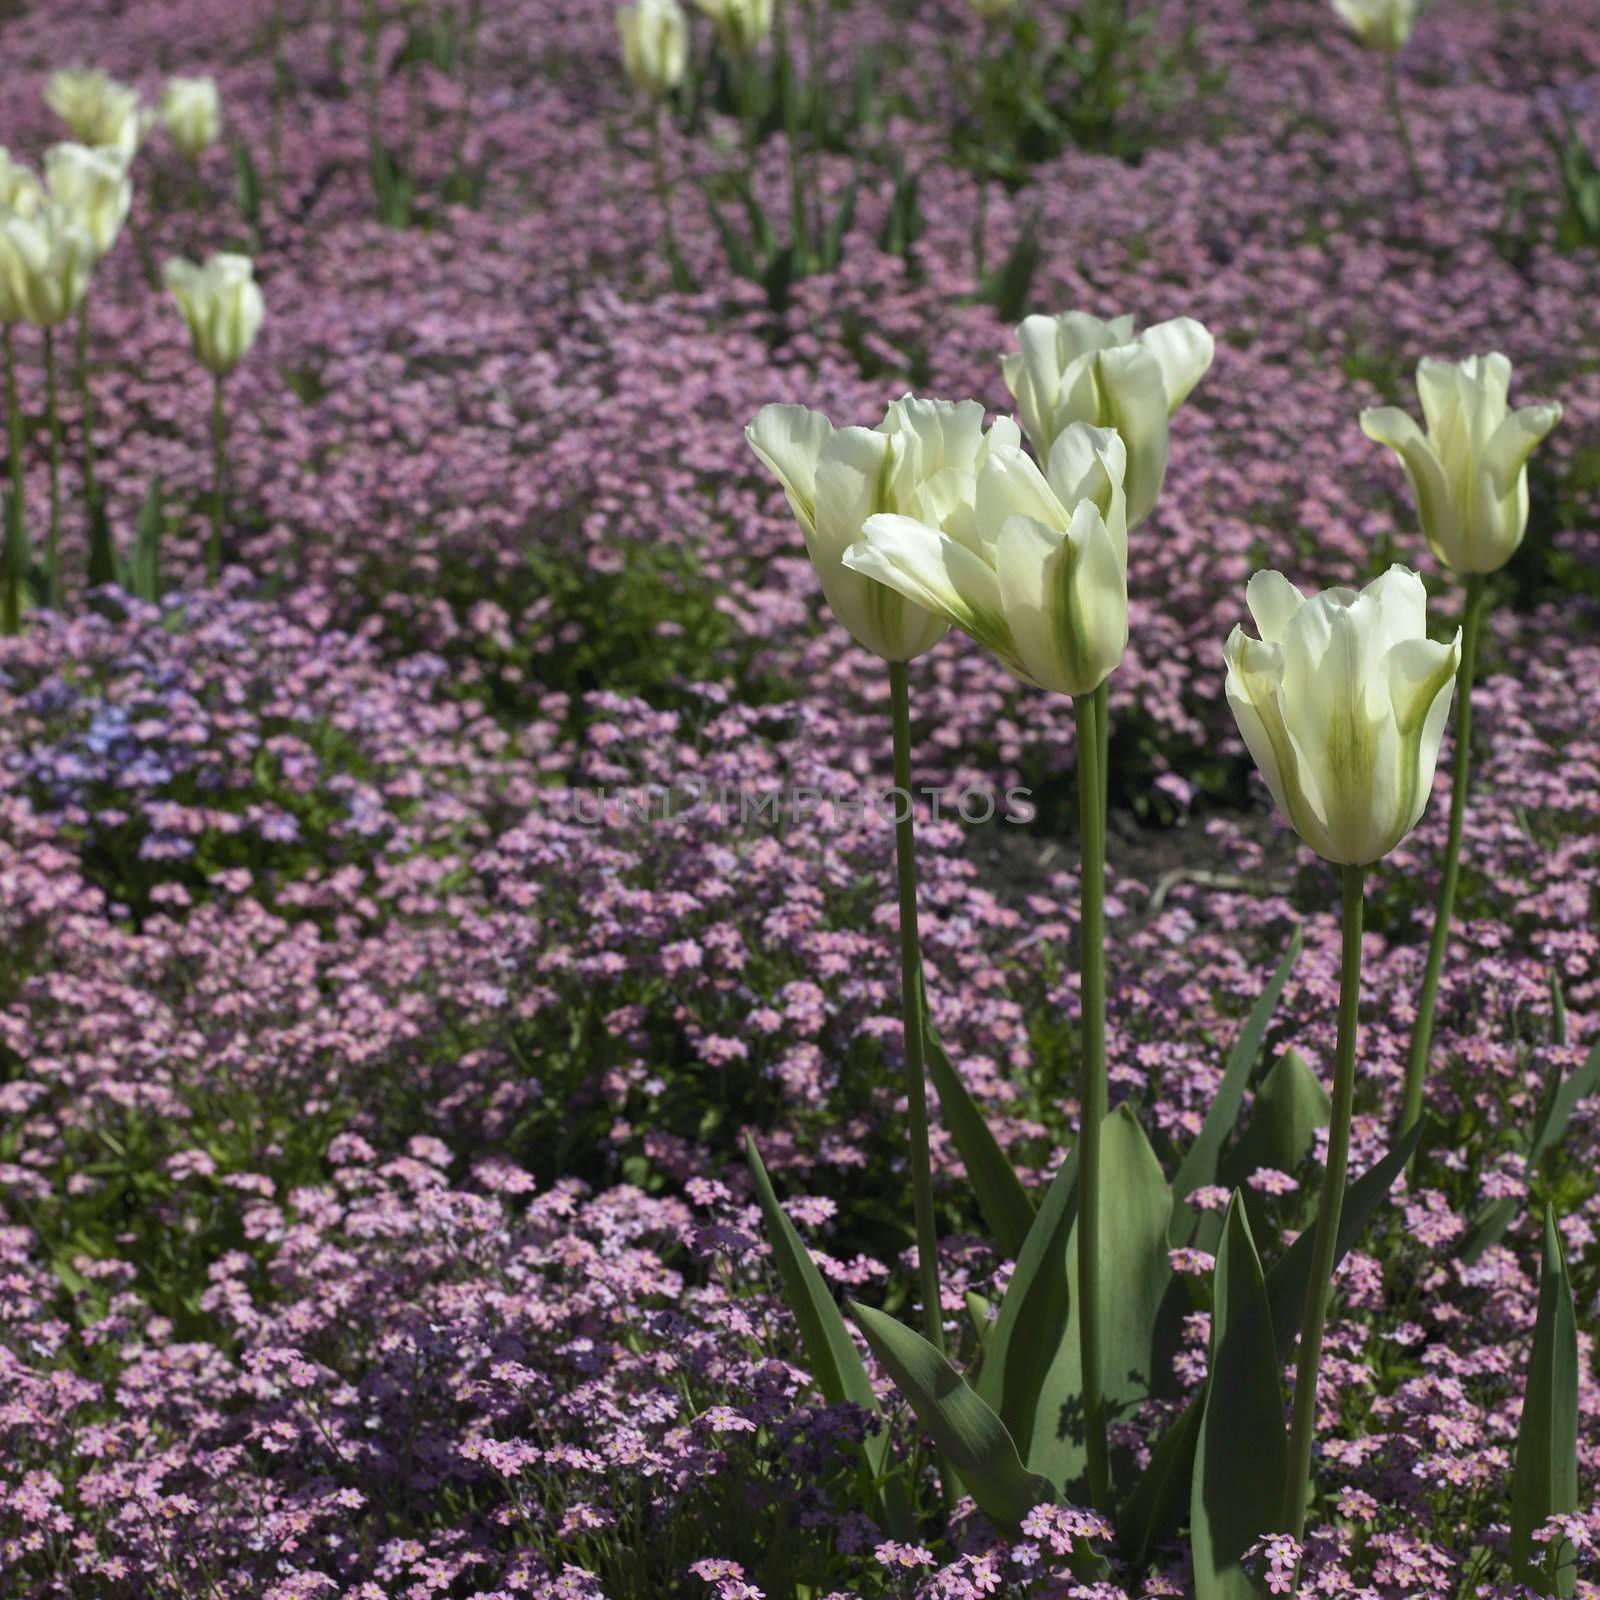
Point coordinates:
[[1241, 1452], [1006, 1206], [1200, 1163], [1007, 287], [831, 1355], [141, 573], [1556, 1106], [247, 191], [973, 1440], [1545, 1480], [1579, 223]]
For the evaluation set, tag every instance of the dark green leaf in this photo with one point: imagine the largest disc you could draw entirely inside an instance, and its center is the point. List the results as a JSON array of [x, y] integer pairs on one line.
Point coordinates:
[[1282, 1129], [1241, 1456], [1034, 1362], [1199, 1165], [1150, 1513], [1005, 1204], [1545, 1479], [831, 1353], [972, 1439], [1560, 1100]]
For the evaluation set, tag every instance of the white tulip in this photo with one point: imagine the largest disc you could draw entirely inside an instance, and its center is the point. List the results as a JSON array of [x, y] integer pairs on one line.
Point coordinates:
[[1078, 368], [741, 24], [922, 459], [45, 264], [1342, 704], [191, 108], [655, 44], [1380, 24], [102, 113], [1035, 568], [222, 305], [20, 189], [1469, 472], [93, 186]]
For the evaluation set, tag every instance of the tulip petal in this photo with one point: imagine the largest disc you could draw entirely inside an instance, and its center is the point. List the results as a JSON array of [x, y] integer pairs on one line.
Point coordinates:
[[1421, 677], [1514, 441], [788, 439], [1254, 691], [848, 484], [1086, 463], [1402, 607], [1133, 400], [1273, 602], [935, 572], [1065, 598], [1424, 470], [1011, 485], [1183, 349]]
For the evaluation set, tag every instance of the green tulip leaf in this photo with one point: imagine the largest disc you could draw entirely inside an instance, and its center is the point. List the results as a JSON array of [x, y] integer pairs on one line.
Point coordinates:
[[1006, 1206], [1037, 1296], [1153, 1511], [1033, 1371], [835, 1363], [1545, 1478], [971, 1438], [1241, 1454], [1560, 1100], [1280, 1134], [1199, 1165]]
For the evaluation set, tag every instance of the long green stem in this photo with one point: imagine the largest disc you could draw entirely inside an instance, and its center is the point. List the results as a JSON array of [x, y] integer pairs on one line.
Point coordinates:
[[279, 82], [1325, 1240], [1397, 110], [469, 88], [669, 235], [16, 532], [1092, 1091], [86, 401], [219, 447], [52, 412], [789, 106], [752, 117], [1422, 1028], [911, 1005]]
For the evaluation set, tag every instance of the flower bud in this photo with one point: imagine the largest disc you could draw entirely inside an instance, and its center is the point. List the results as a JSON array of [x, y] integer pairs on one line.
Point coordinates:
[[102, 113], [1077, 368], [93, 186], [45, 264], [922, 459], [222, 305], [741, 24], [191, 108], [1342, 704], [655, 44], [1036, 569], [1469, 472], [1379, 24]]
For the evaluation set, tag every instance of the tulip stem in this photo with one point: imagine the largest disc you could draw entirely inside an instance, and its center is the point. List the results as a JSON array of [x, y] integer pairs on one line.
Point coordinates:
[[1326, 1238], [279, 80], [469, 88], [911, 1001], [1422, 1028], [16, 525], [219, 443], [1392, 83], [669, 234], [52, 413], [1092, 1092], [86, 402]]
